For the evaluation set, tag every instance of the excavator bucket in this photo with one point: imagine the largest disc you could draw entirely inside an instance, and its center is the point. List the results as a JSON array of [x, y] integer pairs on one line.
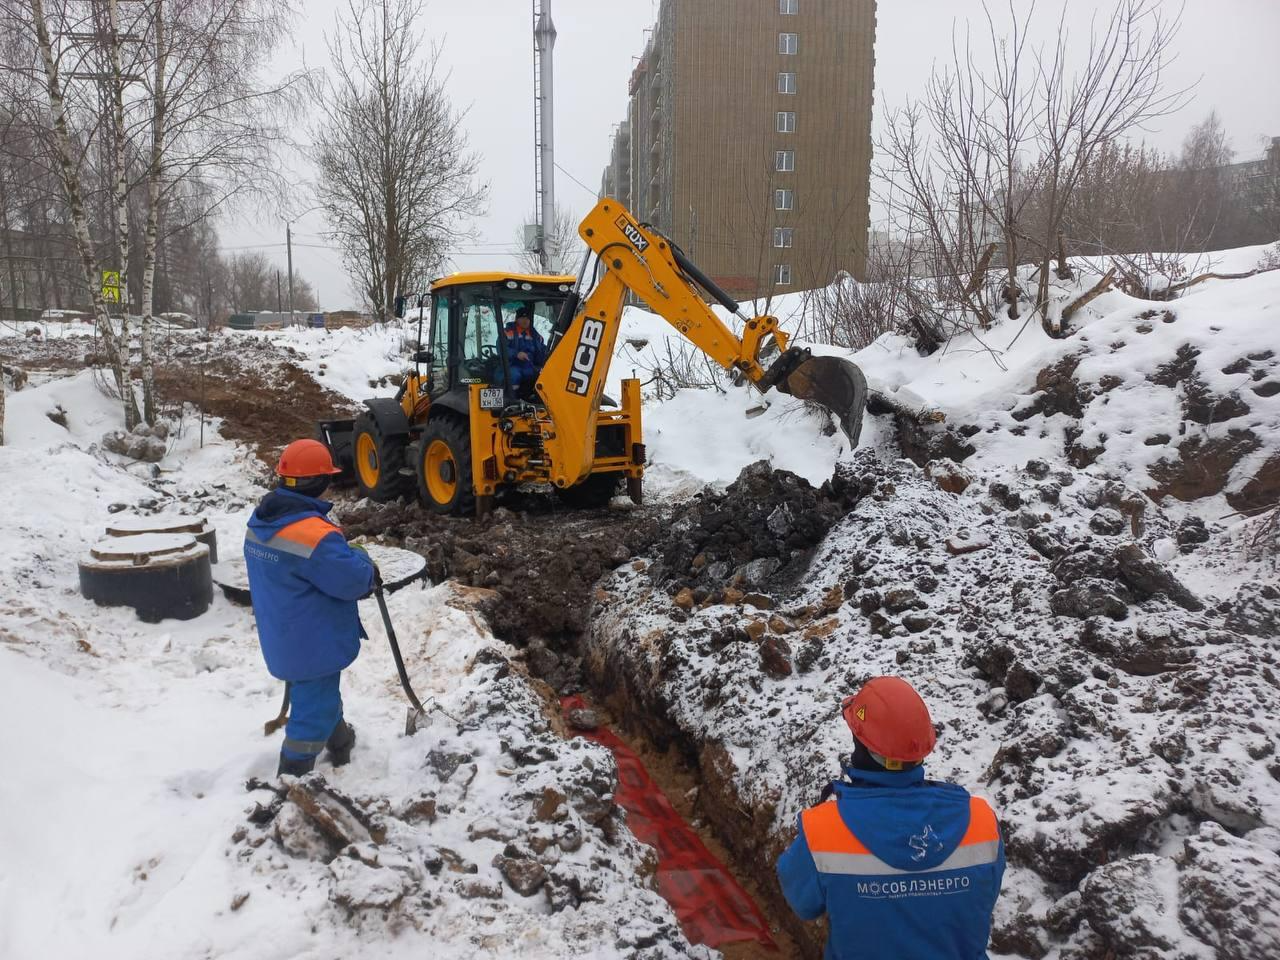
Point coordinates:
[[833, 383]]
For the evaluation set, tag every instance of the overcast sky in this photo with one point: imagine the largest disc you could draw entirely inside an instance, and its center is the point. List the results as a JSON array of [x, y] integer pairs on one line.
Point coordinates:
[[1228, 48]]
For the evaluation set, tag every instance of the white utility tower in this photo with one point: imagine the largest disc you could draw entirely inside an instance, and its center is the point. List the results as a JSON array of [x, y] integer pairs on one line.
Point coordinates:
[[544, 177]]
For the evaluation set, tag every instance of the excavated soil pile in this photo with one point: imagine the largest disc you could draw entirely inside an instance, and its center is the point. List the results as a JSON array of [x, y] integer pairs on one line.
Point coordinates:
[[264, 400], [429, 853], [759, 533], [262, 397], [540, 561], [54, 354]]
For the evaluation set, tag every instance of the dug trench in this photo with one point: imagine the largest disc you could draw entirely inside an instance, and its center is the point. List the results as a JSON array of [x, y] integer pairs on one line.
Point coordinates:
[[538, 567]]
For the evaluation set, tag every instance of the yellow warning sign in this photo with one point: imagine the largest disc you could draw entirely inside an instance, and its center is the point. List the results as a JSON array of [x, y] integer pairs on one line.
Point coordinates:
[[862, 713], [111, 286]]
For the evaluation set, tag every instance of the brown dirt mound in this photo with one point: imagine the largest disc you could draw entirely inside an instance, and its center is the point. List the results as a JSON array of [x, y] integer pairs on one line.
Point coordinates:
[[262, 408], [543, 560]]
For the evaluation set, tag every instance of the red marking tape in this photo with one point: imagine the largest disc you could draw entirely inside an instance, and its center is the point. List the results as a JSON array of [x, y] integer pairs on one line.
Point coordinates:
[[711, 906]]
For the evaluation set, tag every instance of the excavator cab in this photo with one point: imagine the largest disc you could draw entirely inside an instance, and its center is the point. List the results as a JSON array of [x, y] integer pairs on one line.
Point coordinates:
[[467, 340]]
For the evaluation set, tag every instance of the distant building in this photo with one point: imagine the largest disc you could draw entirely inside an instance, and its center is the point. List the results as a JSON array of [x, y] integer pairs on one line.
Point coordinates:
[[748, 138], [616, 181], [1243, 176]]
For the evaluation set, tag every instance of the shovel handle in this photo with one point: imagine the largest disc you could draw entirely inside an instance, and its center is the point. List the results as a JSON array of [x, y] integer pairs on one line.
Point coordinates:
[[271, 726], [395, 647]]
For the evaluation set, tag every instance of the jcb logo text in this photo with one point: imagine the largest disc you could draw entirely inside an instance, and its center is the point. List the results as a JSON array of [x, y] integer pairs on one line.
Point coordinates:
[[632, 232], [585, 357]]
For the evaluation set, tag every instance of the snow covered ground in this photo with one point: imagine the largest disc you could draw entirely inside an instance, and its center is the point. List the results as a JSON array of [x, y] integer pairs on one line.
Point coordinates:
[[123, 806]]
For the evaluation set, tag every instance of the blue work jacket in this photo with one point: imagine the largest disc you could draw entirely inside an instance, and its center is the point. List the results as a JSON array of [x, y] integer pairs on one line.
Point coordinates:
[[305, 582], [903, 867], [531, 343]]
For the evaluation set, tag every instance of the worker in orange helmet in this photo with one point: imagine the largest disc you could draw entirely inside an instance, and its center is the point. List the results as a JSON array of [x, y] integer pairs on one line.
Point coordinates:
[[305, 580], [903, 867]]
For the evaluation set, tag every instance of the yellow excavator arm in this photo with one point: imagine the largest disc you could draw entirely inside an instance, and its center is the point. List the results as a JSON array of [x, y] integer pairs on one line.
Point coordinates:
[[634, 257]]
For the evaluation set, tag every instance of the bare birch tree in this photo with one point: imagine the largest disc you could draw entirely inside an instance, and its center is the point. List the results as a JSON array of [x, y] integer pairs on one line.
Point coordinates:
[[996, 150], [181, 117], [116, 345], [396, 179]]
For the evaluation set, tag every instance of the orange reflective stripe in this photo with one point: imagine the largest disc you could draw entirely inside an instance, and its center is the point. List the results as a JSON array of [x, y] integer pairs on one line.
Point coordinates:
[[308, 531], [983, 827], [826, 832]]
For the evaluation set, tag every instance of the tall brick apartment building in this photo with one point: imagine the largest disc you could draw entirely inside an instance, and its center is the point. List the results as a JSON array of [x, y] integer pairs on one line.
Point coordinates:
[[748, 138]]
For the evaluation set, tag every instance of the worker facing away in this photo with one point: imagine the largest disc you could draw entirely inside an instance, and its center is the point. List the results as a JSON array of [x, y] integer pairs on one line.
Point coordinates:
[[305, 580], [526, 350], [903, 867]]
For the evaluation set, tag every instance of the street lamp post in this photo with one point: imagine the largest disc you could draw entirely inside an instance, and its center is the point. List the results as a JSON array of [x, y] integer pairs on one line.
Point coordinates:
[[288, 242]]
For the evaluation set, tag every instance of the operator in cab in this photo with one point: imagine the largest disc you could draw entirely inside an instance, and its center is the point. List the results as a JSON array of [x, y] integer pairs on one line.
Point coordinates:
[[902, 866], [526, 350]]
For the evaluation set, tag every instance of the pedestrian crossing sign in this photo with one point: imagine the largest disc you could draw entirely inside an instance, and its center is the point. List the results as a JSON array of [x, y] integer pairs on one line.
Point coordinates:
[[111, 286]]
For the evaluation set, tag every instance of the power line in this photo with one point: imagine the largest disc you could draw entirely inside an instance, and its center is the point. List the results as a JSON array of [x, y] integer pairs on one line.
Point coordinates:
[[576, 180]]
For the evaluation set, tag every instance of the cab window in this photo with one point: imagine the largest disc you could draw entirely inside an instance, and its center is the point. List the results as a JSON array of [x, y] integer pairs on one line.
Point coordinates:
[[545, 312], [440, 343], [479, 361]]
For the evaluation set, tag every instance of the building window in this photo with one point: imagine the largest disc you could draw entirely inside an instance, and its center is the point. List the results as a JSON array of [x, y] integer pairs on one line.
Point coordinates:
[[786, 83], [785, 161], [782, 274], [784, 199], [788, 6], [788, 43], [783, 237], [786, 121]]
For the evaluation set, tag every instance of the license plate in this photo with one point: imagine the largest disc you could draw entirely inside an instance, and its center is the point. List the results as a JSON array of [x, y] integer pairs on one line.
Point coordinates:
[[491, 398]]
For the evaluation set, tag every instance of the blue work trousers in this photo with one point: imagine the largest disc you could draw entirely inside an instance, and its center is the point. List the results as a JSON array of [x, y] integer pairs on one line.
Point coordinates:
[[315, 710]]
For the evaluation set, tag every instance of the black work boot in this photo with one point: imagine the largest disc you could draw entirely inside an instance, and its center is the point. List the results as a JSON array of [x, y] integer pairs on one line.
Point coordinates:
[[340, 743], [295, 768]]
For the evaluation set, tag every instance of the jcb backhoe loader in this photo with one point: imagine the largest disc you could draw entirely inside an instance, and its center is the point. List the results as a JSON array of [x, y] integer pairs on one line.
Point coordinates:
[[459, 428]]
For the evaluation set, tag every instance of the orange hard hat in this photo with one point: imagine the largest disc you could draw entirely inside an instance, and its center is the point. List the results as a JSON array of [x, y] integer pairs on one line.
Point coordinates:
[[306, 458], [891, 721]]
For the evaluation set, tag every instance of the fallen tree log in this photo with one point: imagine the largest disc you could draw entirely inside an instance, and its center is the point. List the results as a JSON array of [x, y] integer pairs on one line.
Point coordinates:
[[880, 402], [1102, 286], [1185, 284]]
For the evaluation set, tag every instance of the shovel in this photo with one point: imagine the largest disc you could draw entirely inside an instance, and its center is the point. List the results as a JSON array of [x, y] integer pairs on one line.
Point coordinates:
[[271, 726], [416, 717]]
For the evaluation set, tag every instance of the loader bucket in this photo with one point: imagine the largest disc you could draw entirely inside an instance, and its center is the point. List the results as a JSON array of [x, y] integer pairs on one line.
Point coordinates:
[[833, 383], [337, 436]]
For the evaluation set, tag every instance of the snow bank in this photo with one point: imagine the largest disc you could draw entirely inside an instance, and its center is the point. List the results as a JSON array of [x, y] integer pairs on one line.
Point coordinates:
[[358, 362], [1138, 390]]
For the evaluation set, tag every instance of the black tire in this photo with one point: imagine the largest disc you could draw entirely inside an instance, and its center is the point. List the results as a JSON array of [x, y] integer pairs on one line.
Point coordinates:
[[444, 479], [594, 492], [377, 461]]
